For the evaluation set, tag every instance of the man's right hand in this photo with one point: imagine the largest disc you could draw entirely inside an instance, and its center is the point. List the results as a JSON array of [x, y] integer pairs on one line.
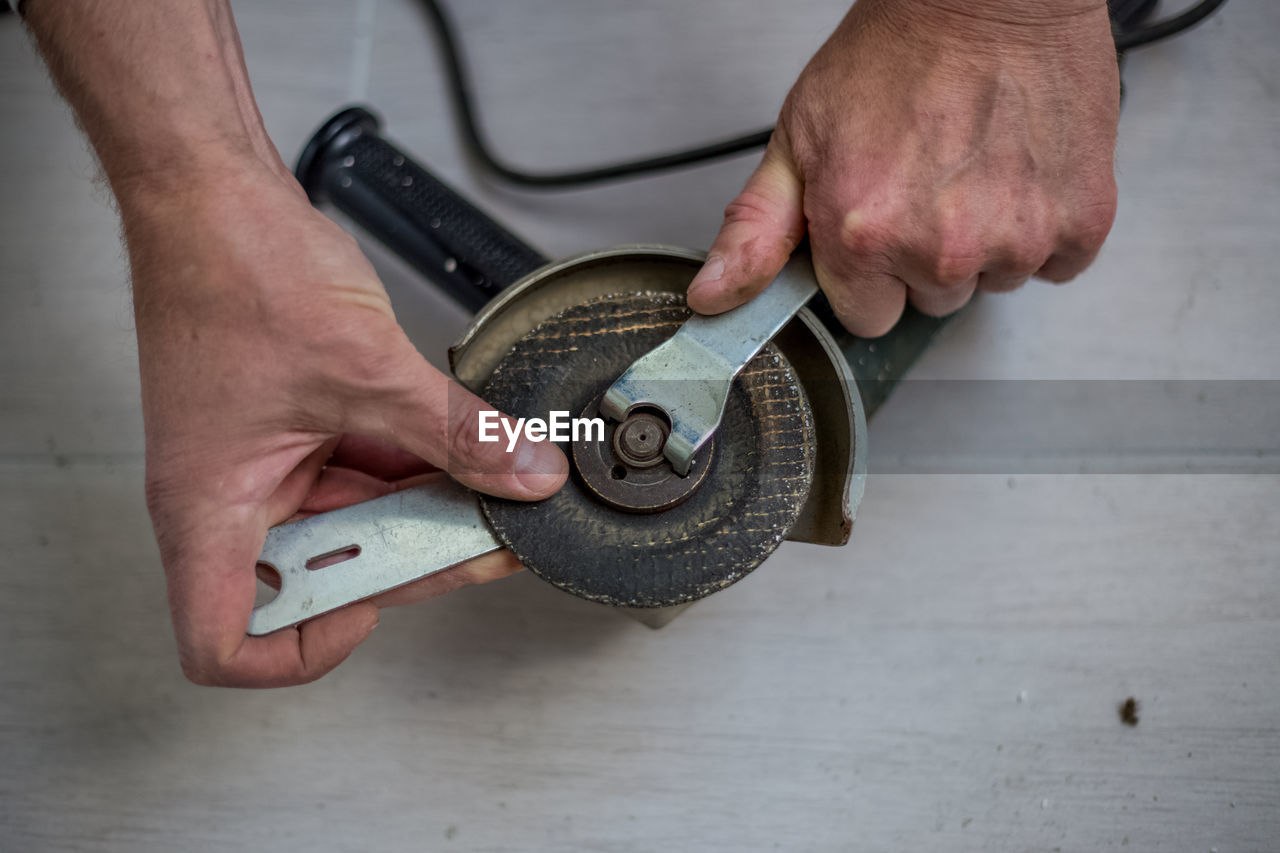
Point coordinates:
[[275, 380], [931, 149]]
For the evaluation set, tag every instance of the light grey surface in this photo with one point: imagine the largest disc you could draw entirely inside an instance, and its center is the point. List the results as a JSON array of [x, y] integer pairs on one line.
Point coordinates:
[[948, 681]]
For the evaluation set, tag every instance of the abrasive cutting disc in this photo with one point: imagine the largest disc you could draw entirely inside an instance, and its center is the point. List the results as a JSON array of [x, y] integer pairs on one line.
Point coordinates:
[[757, 480]]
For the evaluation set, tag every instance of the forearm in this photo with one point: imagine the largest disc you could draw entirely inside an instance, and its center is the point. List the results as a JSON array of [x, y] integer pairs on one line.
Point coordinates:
[[160, 88], [984, 26]]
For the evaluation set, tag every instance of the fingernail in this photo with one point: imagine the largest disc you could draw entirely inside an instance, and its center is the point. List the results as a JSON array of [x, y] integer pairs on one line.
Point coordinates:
[[712, 271], [540, 466]]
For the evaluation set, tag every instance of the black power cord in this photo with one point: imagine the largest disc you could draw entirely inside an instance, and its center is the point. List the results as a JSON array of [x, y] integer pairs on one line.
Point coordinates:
[[473, 137], [1126, 16], [1129, 38]]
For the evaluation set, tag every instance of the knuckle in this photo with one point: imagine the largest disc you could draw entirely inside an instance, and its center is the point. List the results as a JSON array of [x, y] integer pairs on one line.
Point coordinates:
[[763, 236], [867, 318], [877, 326], [750, 207], [1029, 240], [863, 237], [198, 671], [1059, 275], [1089, 225], [958, 258], [1026, 258], [938, 308], [952, 271], [758, 261], [1021, 271]]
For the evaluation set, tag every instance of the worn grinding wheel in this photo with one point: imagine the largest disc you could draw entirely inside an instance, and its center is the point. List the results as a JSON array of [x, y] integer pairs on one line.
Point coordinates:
[[756, 480]]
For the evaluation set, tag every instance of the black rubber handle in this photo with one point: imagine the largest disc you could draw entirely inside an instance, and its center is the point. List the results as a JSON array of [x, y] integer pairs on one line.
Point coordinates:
[[461, 249]]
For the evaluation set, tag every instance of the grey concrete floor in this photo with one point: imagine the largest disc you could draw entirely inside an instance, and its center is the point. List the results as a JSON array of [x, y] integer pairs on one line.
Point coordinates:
[[947, 681]]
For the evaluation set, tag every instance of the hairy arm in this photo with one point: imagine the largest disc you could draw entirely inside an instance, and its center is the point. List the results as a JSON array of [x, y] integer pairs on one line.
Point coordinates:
[[160, 88], [275, 379]]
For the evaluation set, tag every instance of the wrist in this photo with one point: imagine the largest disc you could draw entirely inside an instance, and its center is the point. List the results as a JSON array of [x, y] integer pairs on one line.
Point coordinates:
[[998, 24], [188, 224], [192, 177], [1010, 13], [143, 176]]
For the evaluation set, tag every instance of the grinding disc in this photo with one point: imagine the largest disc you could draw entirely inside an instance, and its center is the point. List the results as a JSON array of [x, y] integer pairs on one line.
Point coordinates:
[[757, 480]]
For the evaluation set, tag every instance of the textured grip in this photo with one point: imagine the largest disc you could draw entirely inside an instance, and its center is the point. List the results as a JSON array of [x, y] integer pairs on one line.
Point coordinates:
[[471, 257]]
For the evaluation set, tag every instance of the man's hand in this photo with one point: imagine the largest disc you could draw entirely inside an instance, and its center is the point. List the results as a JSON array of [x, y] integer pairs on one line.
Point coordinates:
[[275, 380], [932, 148]]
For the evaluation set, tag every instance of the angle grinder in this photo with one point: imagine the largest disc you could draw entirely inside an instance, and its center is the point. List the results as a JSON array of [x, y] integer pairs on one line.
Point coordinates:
[[722, 436]]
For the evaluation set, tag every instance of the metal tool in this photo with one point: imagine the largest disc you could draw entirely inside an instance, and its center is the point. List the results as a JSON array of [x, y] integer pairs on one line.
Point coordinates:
[[385, 543], [705, 356]]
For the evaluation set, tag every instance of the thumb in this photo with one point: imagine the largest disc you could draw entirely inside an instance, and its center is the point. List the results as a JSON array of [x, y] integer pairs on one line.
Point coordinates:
[[762, 227], [436, 419]]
